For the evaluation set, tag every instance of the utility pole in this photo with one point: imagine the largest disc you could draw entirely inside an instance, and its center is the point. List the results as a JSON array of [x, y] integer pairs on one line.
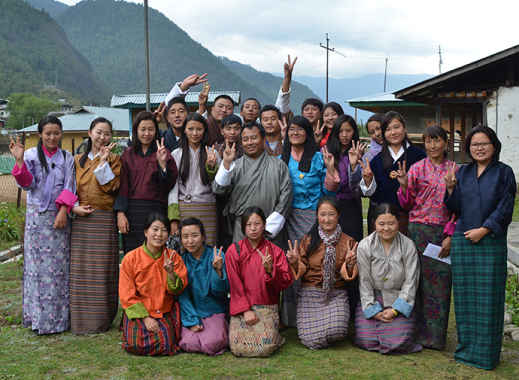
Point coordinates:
[[385, 76], [328, 50], [147, 52], [440, 62]]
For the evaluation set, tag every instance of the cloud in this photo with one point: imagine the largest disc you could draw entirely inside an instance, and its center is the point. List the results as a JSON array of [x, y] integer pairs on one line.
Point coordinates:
[[408, 32]]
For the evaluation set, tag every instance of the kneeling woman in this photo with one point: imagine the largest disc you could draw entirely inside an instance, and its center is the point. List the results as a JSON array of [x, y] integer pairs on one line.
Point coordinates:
[[258, 271], [388, 273], [149, 278], [204, 302], [325, 260]]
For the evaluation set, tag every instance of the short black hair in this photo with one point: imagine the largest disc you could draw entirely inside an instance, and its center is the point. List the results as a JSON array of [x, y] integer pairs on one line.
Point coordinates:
[[313, 102], [246, 100], [491, 134], [192, 222], [249, 211], [176, 100], [154, 216], [252, 125], [270, 107], [224, 96], [336, 107], [231, 119]]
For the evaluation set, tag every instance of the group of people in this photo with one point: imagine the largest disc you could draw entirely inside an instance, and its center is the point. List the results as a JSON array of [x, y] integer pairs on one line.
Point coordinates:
[[235, 226]]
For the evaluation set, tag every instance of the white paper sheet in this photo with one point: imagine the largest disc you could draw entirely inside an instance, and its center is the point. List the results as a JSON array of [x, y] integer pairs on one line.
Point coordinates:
[[433, 251]]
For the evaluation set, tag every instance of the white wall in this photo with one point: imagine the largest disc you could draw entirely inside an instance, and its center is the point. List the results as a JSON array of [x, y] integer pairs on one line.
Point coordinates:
[[505, 120]]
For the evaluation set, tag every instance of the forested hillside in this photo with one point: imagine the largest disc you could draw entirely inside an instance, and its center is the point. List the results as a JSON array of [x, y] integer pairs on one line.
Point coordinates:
[[36, 54], [53, 8], [111, 35]]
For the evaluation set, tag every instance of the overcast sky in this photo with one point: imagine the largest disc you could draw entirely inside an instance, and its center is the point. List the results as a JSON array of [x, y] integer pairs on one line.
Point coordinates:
[[262, 33]]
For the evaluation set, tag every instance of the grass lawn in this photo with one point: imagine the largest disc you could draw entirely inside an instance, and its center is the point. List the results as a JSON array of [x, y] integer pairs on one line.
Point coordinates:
[[26, 355]]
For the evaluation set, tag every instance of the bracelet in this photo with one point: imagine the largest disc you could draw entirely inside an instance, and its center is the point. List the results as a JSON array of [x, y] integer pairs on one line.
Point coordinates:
[[395, 312]]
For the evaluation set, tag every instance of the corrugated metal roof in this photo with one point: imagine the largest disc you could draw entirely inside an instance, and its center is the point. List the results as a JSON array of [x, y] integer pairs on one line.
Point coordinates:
[[80, 120], [380, 97], [156, 98]]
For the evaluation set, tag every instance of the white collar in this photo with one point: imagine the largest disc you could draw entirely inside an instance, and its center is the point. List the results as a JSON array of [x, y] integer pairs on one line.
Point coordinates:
[[91, 155], [398, 154]]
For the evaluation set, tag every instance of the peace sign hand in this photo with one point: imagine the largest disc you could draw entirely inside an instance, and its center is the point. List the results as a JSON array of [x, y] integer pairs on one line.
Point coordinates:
[[218, 260], [401, 175], [266, 260], [450, 178], [329, 159], [17, 149], [192, 80], [367, 174], [162, 154], [349, 269], [318, 132], [105, 152], [288, 67], [293, 253], [355, 153], [211, 156], [168, 262], [283, 126], [158, 114], [229, 154]]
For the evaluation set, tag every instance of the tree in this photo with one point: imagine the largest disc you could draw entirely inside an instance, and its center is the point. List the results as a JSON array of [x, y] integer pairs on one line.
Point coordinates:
[[26, 109]]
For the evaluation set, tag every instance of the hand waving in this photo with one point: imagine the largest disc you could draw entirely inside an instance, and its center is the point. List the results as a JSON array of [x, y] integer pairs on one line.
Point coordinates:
[[266, 260], [162, 154], [17, 149]]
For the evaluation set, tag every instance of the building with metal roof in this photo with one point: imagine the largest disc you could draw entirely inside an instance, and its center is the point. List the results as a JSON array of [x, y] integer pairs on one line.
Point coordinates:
[[76, 125]]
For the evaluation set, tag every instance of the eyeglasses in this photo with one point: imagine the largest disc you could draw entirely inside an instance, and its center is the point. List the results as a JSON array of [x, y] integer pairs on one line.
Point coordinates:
[[480, 145]]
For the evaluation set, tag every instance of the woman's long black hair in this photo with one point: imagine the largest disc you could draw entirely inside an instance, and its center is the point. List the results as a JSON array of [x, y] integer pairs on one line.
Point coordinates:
[[141, 116], [310, 146], [43, 122], [315, 239], [185, 161], [96, 121], [334, 143], [387, 160]]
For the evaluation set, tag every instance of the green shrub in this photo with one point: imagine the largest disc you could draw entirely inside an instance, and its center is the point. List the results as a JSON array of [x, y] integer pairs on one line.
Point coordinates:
[[512, 297], [11, 222]]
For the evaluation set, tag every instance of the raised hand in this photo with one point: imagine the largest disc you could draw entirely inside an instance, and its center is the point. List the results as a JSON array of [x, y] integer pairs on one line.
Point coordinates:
[[218, 260], [355, 153], [367, 174], [401, 175], [17, 149], [288, 67], [122, 223], [348, 269], [203, 97], [266, 260], [229, 154], [83, 210], [450, 178], [318, 132], [192, 80], [162, 154], [211, 156], [329, 159], [158, 114], [293, 253], [174, 224], [104, 152], [283, 126]]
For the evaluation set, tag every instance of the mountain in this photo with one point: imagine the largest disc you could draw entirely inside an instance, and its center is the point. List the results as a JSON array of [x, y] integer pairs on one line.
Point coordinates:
[[37, 55], [267, 82], [53, 8], [343, 89], [111, 35]]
